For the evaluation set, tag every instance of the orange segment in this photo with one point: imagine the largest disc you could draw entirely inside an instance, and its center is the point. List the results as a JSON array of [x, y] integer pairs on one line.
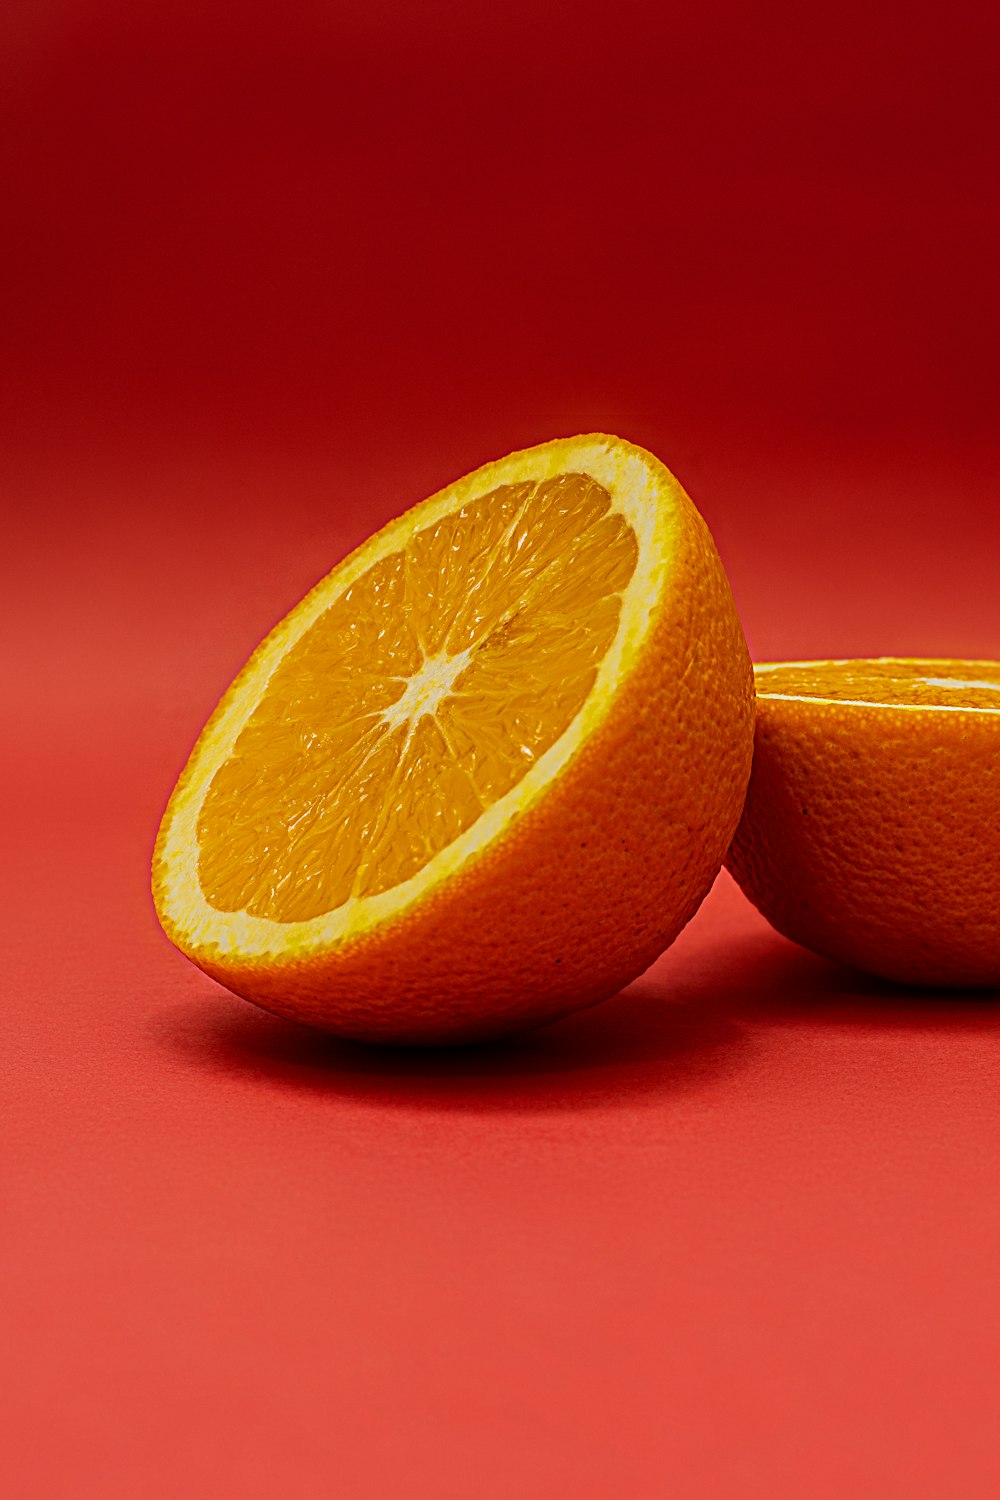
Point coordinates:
[[484, 772], [871, 831]]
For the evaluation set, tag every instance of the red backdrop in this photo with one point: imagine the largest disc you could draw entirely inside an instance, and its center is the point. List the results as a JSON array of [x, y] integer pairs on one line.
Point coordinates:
[[275, 272]]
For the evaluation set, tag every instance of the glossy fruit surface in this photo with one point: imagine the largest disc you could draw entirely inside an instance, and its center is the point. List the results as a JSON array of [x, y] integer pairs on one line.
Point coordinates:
[[484, 772], [871, 831]]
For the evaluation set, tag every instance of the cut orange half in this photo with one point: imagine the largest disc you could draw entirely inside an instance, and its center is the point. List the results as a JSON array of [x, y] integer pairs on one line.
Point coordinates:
[[484, 772], [871, 832]]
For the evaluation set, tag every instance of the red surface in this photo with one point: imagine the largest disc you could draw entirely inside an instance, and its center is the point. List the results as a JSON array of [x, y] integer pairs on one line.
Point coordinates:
[[733, 1234]]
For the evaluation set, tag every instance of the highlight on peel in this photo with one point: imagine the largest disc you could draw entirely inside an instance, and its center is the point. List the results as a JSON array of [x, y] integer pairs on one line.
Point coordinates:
[[484, 772], [871, 831]]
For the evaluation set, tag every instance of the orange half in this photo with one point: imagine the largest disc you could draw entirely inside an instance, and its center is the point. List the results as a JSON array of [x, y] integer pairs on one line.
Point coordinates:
[[871, 831], [484, 771]]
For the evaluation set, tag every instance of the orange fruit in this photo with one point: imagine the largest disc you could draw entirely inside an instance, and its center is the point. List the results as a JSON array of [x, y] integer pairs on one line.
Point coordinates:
[[871, 831], [484, 772]]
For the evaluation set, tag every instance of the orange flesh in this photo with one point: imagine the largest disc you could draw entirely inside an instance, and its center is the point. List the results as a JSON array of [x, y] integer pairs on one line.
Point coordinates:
[[924, 684], [419, 698]]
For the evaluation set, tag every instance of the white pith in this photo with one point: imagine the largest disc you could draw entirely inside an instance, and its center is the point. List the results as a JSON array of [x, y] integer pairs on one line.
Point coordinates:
[[426, 689], [960, 682]]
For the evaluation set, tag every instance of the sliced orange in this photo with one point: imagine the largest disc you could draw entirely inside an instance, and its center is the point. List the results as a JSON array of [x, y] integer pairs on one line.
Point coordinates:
[[484, 772], [871, 831]]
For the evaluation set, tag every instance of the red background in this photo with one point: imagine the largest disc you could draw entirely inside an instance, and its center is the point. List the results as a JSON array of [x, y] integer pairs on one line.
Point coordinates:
[[275, 273]]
